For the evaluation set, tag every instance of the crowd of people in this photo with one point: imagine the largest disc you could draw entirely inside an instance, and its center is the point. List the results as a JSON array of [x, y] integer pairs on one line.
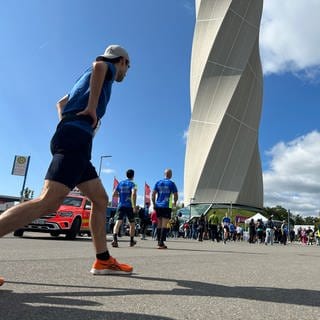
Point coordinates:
[[224, 230], [198, 228], [270, 232]]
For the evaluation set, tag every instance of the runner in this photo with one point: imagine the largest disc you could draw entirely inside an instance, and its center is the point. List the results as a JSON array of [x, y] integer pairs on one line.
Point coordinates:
[[225, 225], [126, 190], [164, 190], [79, 112]]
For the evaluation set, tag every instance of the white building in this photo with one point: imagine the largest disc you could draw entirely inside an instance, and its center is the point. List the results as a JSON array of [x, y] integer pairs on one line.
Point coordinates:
[[222, 161]]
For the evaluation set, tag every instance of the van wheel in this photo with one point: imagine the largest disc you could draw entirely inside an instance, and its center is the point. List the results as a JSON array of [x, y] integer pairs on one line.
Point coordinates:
[[74, 230], [54, 234], [18, 233]]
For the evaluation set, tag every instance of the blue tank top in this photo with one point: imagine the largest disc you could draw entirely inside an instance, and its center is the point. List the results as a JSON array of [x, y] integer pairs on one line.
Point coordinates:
[[79, 96]]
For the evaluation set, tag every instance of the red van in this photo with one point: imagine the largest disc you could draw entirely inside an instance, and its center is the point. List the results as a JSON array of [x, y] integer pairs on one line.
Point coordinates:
[[71, 219]]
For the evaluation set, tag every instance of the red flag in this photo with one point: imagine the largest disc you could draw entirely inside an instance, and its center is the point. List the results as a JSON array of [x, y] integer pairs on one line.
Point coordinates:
[[115, 199], [147, 192]]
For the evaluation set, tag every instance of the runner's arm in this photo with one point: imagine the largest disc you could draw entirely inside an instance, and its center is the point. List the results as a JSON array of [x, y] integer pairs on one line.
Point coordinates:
[[175, 198], [134, 199], [61, 104], [153, 198], [99, 71]]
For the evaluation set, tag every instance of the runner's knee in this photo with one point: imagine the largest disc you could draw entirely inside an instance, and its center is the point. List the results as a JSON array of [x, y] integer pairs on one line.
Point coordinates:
[[50, 203], [100, 202]]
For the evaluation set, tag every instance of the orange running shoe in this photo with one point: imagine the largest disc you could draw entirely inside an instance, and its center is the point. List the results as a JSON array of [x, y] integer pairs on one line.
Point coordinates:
[[1, 281], [110, 266]]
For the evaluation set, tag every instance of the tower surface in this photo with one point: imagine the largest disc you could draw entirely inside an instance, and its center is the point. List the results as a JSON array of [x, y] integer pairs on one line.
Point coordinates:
[[222, 161]]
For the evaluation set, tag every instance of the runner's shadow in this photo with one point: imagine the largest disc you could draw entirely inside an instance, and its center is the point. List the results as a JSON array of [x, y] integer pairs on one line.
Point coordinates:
[[267, 294], [49, 306], [298, 297]]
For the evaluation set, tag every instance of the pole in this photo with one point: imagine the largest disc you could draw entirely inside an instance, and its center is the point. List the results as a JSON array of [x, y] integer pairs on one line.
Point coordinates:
[[24, 180], [101, 157], [289, 222], [191, 199]]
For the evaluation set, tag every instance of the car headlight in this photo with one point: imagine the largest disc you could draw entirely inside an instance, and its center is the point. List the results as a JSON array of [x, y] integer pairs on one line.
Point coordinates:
[[66, 214]]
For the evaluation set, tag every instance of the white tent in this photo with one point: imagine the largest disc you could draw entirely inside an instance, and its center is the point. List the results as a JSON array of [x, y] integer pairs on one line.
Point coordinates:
[[256, 217]]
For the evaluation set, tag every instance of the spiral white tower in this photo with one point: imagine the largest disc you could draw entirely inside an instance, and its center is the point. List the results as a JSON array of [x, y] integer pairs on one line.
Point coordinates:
[[222, 162]]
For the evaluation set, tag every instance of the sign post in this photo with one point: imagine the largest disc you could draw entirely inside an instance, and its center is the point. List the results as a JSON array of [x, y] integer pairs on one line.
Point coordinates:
[[20, 168]]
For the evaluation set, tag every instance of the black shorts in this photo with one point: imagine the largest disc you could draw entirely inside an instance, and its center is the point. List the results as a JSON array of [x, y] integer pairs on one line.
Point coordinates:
[[125, 212], [164, 213], [71, 150]]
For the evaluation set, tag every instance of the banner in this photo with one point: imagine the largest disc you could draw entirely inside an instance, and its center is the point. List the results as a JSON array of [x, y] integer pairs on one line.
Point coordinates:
[[20, 165], [147, 192], [240, 219], [115, 199]]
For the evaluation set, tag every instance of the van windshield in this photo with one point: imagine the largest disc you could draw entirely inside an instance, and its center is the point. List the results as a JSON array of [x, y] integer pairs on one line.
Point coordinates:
[[72, 201]]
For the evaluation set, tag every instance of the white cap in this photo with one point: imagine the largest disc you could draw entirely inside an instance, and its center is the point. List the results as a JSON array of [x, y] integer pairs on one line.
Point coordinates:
[[114, 51]]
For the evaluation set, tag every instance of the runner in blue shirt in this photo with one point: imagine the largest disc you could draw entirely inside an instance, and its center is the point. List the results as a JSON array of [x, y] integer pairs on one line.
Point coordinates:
[[164, 195], [79, 112], [126, 190], [225, 224]]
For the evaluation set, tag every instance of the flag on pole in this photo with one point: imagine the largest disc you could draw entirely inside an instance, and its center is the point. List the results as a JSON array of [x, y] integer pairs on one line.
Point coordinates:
[[115, 199], [147, 192]]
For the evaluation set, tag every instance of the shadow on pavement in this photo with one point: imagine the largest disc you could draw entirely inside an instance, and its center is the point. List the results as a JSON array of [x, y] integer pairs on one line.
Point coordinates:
[[300, 297], [15, 306]]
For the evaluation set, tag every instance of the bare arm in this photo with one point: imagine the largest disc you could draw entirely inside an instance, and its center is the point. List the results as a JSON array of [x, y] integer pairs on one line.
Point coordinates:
[[134, 199], [60, 105], [175, 198], [153, 197], [99, 71]]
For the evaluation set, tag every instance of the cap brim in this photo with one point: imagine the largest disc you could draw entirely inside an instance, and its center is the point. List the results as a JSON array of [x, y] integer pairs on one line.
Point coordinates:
[[109, 56]]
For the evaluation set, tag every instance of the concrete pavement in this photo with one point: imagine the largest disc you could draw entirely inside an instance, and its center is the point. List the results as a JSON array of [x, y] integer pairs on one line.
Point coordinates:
[[50, 279]]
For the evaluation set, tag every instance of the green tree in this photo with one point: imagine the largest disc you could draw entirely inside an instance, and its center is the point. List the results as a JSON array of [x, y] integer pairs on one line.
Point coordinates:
[[28, 193], [310, 220], [298, 219], [278, 213]]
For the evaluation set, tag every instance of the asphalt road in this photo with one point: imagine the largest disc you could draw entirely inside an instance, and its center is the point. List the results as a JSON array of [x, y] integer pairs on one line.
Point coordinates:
[[50, 279]]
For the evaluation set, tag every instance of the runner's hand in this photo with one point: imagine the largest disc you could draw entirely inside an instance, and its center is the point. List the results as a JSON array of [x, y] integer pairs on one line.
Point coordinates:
[[91, 113]]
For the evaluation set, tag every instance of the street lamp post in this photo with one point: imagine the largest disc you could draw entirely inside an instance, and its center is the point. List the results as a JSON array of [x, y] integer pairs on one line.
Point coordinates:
[[101, 157], [288, 221]]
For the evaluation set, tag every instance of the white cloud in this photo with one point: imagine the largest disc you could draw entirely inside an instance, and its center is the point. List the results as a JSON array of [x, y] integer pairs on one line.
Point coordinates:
[[44, 44], [289, 37], [293, 180], [140, 200], [185, 136], [108, 171], [189, 6], [181, 197]]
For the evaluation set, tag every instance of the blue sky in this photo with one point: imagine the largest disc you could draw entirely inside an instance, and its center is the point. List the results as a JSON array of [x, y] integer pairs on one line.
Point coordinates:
[[47, 44]]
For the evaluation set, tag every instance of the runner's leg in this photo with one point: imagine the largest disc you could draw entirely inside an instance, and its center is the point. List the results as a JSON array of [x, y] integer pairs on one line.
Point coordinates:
[[49, 201], [95, 191]]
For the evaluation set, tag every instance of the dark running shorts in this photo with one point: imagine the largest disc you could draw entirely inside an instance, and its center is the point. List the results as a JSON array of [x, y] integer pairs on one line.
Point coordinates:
[[164, 213], [125, 212], [71, 150]]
